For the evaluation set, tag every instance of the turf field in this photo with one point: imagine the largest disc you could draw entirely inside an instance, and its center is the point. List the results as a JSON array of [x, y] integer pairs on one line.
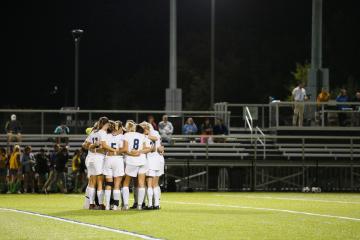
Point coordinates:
[[187, 216]]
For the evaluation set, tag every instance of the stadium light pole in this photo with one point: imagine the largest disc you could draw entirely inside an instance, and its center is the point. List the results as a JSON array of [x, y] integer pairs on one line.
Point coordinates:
[[76, 33], [173, 94], [212, 57]]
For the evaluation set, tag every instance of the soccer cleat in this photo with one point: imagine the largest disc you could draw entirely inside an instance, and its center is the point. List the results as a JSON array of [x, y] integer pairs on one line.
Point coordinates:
[[143, 205], [107, 208], [134, 206], [92, 207], [149, 208], [139, 208], [101, 207], [115, 208], [125, 208], [156, 208]]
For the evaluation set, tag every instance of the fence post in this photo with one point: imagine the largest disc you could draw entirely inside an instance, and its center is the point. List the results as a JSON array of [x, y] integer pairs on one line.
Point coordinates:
[[277, 115], [42, 122], [352, 164]]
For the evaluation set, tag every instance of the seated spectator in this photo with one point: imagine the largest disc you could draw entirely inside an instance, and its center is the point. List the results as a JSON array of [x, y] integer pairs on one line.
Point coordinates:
[[13, 129], [342, 97], [166, 129], [75, 164], [41, 168], [151, 120], [190, 128], [220, 129], [62, 130], [15, 170], [3, 169], [206, 129], [27, 163]]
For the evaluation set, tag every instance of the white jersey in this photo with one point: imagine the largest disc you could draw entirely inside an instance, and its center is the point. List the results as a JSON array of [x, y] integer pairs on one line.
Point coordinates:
[[96, 137], [115, 141], [154, 158], [135, 141]]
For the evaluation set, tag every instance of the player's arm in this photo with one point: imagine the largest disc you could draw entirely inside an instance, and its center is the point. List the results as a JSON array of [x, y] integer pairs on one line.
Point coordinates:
[[161, 150], [145, 149], [104, 146], [152, 138], [124, 149], [86, 145]]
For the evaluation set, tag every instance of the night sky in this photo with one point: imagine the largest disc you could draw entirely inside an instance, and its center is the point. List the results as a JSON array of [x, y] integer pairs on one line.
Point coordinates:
[[124, 52]]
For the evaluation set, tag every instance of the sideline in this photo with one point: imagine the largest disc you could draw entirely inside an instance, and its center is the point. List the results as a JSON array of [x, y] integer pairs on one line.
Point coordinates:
[[109, 229], [267, 209]]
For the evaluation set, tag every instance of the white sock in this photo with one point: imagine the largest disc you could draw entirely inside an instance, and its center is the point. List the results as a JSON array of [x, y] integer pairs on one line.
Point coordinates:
[[141, 196], [116, 195], [157, 194], [87, 199], [150, 194], [125, 194], [91, 192], [107, 198], [100, 195]]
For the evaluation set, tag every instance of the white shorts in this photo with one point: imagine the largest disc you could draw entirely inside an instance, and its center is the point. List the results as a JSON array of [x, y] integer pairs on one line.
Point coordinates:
[[114, 166], [133, 171], [153, 173], [94, 164]]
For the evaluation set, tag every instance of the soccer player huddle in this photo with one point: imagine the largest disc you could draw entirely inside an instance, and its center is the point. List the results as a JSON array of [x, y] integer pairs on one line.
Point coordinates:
[[116, 155]]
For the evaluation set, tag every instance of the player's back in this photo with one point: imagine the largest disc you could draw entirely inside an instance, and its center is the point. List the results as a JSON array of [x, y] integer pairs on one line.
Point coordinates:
[[135, 141]]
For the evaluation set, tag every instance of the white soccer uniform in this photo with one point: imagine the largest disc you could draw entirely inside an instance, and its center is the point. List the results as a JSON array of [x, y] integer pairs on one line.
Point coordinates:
[[155, 160], [135, 165], [95, 161], [114, 165]]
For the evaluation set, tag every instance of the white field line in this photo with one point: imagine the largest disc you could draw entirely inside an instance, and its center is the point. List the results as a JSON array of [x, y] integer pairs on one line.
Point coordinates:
[[124, 232], [265, 209], [291, 199]]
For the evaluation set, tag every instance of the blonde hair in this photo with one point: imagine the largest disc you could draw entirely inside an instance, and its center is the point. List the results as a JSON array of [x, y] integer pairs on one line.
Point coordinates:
[[130, 126], [145, 125]]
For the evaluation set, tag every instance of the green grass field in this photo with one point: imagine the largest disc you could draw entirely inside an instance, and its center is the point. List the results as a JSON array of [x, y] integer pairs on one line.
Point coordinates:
[[189, 216]]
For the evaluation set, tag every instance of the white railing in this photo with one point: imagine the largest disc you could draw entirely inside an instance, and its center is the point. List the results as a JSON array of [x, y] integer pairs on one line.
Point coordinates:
[[262, 139]]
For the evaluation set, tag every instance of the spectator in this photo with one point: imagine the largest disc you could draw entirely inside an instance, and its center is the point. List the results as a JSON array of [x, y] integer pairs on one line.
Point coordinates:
[[299, 96], [342, 97], [27, 162], [220, 129], [41, 168], [324, 96], [15, 170], [62, 130], [61, 159], [13, 129], [357, 108], [206, 129], [75, 163], [3, 169], [82, 168], [189, 127], [52, 174], [166, 129], [151, 120]]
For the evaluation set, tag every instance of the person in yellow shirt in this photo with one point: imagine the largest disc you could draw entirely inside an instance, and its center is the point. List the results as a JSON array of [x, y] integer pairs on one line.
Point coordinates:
[[14, 168], [75, 169]]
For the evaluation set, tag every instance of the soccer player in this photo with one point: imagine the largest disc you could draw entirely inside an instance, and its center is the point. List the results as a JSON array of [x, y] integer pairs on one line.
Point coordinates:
[[155, 168], [114, 164], [135, 165], [95, 161]]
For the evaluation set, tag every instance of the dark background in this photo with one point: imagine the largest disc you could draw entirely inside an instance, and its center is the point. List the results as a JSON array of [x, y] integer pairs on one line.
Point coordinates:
[[124, 52]]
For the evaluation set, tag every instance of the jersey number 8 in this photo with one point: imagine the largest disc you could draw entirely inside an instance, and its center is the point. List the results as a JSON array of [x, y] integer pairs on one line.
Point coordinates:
[[136, 144]]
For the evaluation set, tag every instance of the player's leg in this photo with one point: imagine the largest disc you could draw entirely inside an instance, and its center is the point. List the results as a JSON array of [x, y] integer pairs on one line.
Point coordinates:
[[116, 192], [125, 191], [150, 191], [157, 192], [135, 193], [141, 186]]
